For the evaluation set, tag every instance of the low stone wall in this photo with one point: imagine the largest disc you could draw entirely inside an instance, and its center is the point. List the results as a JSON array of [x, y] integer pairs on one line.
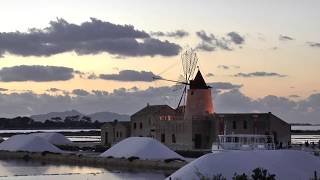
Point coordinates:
[[96, 161]]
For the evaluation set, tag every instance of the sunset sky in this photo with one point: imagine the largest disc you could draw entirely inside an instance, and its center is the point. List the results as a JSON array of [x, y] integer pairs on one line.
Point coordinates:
[[100, 55]]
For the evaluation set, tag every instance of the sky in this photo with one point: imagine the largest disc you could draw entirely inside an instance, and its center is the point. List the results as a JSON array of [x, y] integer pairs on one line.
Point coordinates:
[[101, 55]]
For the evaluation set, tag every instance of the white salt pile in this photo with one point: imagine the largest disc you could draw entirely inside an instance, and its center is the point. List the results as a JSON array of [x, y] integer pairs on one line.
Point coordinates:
[[54, 138], [285, 164], [28, 143], [141, 147]]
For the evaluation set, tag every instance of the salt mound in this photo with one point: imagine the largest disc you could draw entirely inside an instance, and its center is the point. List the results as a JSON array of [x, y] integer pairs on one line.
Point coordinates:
[[141, 147], [54, 138], [285, 164], [28, 143]]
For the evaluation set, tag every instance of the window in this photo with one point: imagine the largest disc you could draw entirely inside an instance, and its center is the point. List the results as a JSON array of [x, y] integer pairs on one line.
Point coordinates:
[[141, 125], [163, 138], [173, 138], [234, 124], [134, 125], [245, 124], [120, 134], [117, 134]]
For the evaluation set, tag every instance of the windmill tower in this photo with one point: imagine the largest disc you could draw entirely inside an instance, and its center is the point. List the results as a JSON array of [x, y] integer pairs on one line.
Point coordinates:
[[197, 98]]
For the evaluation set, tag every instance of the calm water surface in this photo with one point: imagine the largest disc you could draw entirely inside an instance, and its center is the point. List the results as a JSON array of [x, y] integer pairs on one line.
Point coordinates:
[[22, 170]]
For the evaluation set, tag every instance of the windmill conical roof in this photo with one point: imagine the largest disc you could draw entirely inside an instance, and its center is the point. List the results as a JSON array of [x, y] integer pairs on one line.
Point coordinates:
[[198, 82]]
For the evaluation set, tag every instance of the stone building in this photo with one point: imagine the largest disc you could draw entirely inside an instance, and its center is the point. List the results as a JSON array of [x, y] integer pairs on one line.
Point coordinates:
[[113, 132], [196, 125]]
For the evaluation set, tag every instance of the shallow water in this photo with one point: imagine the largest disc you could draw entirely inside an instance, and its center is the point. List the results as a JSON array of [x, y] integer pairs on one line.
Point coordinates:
[[46, 130], [309, 128], [21, 170]]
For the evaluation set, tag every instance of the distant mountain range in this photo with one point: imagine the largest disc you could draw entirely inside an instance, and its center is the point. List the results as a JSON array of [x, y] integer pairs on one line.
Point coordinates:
[[99, 116]]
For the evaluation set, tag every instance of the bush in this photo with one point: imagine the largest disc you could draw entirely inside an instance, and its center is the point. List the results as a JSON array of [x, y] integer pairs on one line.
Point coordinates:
[[132, 158], [257, 174], [240, 177]]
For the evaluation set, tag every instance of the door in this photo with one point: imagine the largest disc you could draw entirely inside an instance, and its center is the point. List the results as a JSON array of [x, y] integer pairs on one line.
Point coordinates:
[[106, 138], [197, 141]]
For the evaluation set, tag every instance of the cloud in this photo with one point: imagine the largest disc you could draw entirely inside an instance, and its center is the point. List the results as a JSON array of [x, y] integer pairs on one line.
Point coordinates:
[[91, 37], [54, 90], [36, 73], [209, 75], [285, 38], [209, 42], [80, 92], [313, 44], [175, 34], [223, 67], [3, 89], [228, 67], [259, 74], [93, 76], [100, 93], [205, 47], [236, 38], [126, 101], [208, 38], [224, 86], [130, 75], [294, 96]]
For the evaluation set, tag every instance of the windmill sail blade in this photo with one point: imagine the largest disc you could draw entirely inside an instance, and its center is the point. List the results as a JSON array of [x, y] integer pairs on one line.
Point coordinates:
[[183, 94], [189, 63]]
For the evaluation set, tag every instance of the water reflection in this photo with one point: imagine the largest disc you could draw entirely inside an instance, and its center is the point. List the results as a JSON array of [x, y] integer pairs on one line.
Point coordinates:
[[21, 170]]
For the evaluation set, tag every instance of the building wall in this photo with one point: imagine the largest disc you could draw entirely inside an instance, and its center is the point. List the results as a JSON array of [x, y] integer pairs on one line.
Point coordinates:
[[199, 103], [263, 123], [173, 134], [113, 132], [282, 131]]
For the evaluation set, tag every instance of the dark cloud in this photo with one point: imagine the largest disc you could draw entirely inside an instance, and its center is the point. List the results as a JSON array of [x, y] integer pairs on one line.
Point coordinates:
[[93, 76], [285, 38], [54, 90], [260, 74], [205, 47], [236, 38], [313, 44], [130, 75], [224, 86], [175, 34], [209, 75], [3, 89], [223, 67], [100, 93], [36, 73], [210, 42], [80, 92], [126, 101], [228, 67], [208, 38], [92, 37]]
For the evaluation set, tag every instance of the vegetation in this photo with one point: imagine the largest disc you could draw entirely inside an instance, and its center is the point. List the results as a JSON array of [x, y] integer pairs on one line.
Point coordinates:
[[53, 123], [257, 174]]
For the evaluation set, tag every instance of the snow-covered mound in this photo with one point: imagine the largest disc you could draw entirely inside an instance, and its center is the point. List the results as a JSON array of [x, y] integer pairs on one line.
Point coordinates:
[[28, 143], [141, 147], [54, 138], [285, 164]]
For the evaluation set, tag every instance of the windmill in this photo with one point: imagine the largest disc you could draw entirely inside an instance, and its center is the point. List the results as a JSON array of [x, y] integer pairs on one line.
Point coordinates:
[[189, 62]]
